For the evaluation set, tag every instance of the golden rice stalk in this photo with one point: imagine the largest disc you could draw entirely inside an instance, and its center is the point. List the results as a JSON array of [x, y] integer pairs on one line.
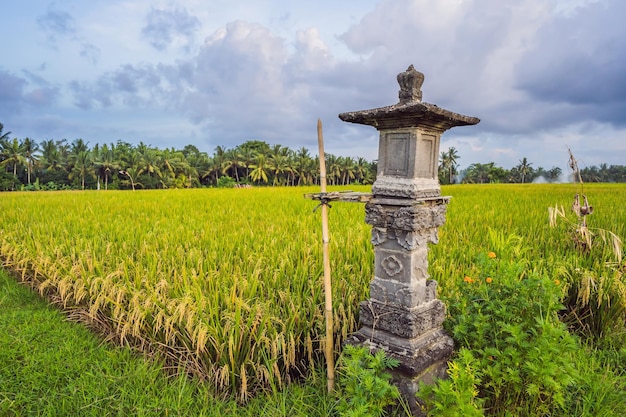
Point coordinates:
[[585, 236], [614, 241], [243, 390], [554, 213], [586, 287]]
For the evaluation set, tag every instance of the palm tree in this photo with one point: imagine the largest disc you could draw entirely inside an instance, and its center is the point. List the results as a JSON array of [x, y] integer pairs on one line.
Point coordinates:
[[219, 157], [333, 171], [259, 169], [448, 165], [604, 172], [81, 165], [453, 156], [29, 148], [232, 162], [247, 155], [105, 164], [347, 168], [524, 168], [554, 173], [149, 163], [12, 155], [302, 159], [279, 164], [173, 165], [52, 154], [3, 136]]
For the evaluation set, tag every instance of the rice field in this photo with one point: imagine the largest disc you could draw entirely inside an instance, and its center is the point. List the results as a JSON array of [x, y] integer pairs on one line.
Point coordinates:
[[227, 283]]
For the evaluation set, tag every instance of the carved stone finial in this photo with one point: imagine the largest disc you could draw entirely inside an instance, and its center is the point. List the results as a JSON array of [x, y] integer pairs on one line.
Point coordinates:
[[410, 85]]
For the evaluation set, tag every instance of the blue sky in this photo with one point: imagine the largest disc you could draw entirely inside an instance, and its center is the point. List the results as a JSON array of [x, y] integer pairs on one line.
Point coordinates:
[[542, 75]]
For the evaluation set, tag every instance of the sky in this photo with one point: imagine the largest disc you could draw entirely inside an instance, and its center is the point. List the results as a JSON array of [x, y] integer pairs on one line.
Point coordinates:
[[542, 75]]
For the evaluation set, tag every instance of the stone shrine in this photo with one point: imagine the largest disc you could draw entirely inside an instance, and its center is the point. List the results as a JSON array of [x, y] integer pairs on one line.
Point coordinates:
[[403, 316]]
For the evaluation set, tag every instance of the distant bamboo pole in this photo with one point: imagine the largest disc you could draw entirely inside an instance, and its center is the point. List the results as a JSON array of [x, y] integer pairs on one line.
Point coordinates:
[[328, 295]]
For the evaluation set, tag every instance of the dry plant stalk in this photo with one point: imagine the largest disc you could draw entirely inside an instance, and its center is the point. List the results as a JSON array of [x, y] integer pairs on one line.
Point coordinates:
[[580, 206]]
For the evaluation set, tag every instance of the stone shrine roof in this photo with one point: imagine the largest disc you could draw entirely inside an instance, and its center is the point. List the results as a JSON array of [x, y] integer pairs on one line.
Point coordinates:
[[410, 111]]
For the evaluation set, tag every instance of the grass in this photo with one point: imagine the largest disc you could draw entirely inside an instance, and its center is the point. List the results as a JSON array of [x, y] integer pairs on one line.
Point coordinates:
[[52, 367]]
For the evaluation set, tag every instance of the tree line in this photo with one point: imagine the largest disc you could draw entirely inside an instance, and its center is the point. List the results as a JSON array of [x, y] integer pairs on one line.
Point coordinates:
[[523, 172], [59, 164]]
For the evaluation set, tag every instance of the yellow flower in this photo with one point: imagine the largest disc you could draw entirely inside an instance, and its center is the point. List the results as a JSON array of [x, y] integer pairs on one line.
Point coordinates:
[[557, 282], [491, 255], [489, 280], [469, 280]]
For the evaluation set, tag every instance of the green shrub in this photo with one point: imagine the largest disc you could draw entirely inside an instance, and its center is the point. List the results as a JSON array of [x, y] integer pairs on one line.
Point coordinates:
[[225, 182], [456, 396], [364, 388], [507, 316]]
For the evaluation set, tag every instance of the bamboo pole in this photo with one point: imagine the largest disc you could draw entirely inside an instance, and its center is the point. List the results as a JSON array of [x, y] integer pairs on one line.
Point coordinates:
[[328, 296]]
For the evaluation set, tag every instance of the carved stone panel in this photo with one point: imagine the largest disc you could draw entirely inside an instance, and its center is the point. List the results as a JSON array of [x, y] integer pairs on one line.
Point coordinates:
[[401, 266], [397, 154], [427, 156], [402, 322]]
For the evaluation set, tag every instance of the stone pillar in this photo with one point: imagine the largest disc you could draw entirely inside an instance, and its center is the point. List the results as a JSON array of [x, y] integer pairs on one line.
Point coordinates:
[[403, 316]]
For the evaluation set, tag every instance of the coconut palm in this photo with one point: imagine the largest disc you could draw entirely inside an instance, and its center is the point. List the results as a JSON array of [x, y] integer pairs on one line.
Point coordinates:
[[448, 165], [259, 169], [150, 162], [105, 164], [279, 165], [52, 157], [12, 155], [82, 164], [231, 164], [347, 168], [3, 136], [29, 150], [524, 168], [333, 169]]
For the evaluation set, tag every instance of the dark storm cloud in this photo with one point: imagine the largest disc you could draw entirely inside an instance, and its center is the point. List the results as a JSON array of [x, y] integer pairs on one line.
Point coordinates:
[[580, 62], [164, 26]]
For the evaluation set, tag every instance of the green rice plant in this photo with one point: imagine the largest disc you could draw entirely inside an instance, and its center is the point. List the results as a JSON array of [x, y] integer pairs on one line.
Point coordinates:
[[595, 305], [225, 284]]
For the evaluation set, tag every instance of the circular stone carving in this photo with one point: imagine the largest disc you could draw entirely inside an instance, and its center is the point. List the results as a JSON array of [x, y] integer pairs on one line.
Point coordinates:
[[392, 265]]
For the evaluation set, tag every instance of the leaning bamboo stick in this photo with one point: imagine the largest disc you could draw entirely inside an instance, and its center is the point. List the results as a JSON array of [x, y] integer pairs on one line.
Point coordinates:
[[328, 309]]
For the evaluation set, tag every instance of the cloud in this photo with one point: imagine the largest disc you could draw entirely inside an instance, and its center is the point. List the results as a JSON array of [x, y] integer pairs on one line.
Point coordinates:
[[581, 64], [11, 90], [90, 52], [164, 28], [533, 71], [57, 23], [17, 93]]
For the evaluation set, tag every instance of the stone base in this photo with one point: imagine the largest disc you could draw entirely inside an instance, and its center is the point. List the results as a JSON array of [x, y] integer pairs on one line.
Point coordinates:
[[408, 323], [415, 355], [422, 359], [409, 386]]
